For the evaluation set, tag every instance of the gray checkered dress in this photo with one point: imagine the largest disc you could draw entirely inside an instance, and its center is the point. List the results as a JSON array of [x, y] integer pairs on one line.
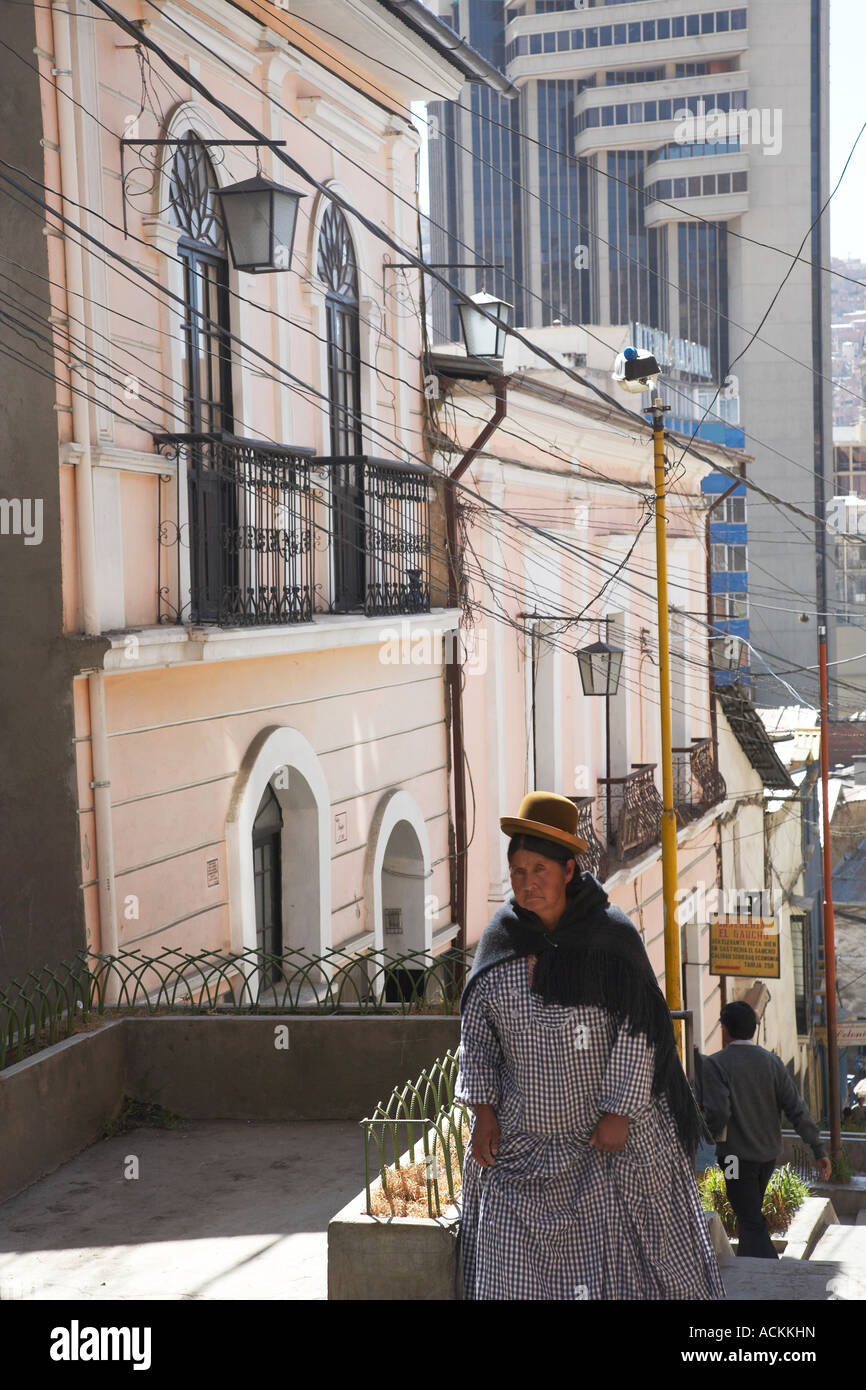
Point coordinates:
[[556, 1218]]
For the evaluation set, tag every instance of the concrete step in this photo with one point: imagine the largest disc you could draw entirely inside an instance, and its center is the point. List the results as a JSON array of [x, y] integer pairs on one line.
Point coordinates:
[[807, 1225], [716, 1230], [748, 1280], [847, 1244], [861, 1218], [849, 1198]]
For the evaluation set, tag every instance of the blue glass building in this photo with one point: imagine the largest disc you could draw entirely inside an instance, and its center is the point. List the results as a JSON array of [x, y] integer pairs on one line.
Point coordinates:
[[651, 156], [729, 570]]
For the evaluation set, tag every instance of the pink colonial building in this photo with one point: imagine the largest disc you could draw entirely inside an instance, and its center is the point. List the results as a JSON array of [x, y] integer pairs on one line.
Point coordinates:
[[244, 503], [560, 554]]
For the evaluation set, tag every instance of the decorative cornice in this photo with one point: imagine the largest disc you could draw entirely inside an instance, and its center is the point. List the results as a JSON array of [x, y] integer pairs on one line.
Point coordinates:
[[338, 125], [161, 234], [125, 460], [190, 645], [204, 35]]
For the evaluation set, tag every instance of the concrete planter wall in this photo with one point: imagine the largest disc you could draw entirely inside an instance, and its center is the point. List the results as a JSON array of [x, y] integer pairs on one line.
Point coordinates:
[[403, 1258], [400, 1258], [53, 1105], [206, 1067]]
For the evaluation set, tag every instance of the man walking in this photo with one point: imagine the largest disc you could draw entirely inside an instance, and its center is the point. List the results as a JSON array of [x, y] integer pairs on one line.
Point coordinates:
[[744, 1088]]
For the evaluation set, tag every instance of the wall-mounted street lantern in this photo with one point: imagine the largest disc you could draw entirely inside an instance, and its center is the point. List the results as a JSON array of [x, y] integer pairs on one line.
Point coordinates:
[[600, 665], [260, 218], [483, 338]]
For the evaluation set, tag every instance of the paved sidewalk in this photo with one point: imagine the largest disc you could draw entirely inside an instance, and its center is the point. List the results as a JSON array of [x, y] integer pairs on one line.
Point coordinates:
[[748, 1280], [235, 1210], [220, 1210]]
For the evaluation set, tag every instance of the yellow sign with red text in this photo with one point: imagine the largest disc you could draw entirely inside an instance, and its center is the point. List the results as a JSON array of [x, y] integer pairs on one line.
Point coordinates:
[[744, 946]]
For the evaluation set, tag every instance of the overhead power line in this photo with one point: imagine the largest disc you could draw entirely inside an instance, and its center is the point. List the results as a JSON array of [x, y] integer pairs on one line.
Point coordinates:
[[383, 235]]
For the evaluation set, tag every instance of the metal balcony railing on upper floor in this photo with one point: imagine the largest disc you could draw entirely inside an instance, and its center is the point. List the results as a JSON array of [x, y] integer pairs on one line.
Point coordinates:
[[698, 784], [260, 515], [380, 534], [631, 812], [595, 858]]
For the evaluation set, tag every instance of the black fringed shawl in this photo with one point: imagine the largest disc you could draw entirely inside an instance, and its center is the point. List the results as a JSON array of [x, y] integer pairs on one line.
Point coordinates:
[[595, 956]]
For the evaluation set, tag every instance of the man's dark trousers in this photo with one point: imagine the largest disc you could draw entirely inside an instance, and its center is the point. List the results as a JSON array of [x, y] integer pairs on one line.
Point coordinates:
[[746, 1194]]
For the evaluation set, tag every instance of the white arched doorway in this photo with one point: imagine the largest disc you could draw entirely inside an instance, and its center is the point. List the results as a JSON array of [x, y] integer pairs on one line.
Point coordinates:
[[399, 906], [280, 792]]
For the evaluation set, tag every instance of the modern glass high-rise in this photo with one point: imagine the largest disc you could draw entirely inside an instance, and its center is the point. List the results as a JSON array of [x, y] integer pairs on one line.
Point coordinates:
[[660, 166]]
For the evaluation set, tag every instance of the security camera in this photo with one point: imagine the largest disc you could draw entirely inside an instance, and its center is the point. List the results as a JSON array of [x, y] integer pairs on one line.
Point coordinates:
[[635, 369]]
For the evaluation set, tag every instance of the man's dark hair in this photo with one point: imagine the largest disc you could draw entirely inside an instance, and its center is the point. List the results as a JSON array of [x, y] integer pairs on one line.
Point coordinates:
[[739, 1018]]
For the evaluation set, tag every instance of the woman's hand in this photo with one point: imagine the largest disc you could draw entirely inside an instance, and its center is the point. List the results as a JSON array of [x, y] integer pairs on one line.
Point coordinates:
[[610, 1134], [485, 1136]]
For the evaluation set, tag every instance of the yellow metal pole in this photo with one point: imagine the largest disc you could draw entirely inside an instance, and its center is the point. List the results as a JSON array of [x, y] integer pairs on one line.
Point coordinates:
[[673, 973]]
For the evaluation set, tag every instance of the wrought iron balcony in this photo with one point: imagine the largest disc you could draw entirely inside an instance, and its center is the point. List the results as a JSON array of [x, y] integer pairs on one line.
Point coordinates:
[[632, 811], [380, 525], [595, 858], [250, 508], [257, 516], [698, 784]]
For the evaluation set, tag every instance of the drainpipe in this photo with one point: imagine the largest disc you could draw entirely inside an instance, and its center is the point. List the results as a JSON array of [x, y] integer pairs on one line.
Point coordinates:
[[73, 260], [453, 669], [77, 304], [101, 786]]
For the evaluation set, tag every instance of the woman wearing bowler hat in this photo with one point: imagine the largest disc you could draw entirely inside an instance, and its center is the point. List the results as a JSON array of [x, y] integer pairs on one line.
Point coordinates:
[[578, 1182]]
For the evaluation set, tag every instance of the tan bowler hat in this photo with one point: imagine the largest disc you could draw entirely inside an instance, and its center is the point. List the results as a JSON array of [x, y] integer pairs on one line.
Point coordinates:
[[549, 816]]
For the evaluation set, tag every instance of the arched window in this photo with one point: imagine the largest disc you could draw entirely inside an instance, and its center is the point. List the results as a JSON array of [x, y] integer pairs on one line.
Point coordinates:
[[202, 250], [337, 267], [213, 501]]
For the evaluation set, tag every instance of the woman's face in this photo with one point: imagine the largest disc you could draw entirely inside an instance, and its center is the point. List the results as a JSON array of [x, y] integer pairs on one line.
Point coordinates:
[[539, 884]]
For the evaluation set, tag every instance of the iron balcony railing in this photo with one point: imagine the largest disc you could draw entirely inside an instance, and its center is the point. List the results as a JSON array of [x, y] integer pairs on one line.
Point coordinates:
[[257, 516], [250, 532], [595, 858], [631, 812], [380, 524], [698, 784]]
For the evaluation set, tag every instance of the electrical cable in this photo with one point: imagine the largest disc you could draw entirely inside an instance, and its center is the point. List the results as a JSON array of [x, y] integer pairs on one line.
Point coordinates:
[[628, 413], [610, 400], [378, 231], [686, 214], [590, 385]]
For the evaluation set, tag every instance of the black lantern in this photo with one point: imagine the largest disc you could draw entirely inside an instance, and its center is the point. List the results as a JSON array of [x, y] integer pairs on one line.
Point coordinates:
[[600, 665], [260, 219], [483, 338]]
